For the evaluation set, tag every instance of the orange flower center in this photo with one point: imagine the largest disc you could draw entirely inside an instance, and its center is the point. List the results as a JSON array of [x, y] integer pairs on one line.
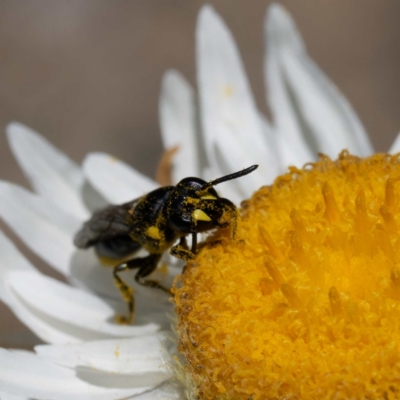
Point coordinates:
[[308, 307]]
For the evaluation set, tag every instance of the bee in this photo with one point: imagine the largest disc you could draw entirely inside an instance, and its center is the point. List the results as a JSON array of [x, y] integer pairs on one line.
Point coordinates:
[[155, 222]]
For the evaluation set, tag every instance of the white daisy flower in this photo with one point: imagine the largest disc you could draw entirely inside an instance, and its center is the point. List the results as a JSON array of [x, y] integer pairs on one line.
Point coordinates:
[[218, 131]]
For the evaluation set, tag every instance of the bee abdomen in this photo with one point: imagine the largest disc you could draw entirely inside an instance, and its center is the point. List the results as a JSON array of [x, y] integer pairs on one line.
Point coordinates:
[[117, 247]]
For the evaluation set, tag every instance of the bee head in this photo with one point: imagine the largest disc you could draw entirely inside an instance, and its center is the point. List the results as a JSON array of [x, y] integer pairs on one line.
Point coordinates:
[[195, 205]]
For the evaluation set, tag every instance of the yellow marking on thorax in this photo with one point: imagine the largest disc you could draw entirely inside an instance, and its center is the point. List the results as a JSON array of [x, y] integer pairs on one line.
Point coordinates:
[[153, 232], [200, 215], [208, 197]]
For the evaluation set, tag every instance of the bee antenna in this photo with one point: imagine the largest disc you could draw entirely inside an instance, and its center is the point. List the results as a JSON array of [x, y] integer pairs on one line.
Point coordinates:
[[228, 177]]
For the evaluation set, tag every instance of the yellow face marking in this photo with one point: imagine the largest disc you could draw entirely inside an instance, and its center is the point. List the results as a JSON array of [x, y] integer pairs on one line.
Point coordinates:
[[208, 197], [199, 215], [153, 232]]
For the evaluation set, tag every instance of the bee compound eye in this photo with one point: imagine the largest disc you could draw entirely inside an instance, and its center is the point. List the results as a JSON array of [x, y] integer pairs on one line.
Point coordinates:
[[181, 223]]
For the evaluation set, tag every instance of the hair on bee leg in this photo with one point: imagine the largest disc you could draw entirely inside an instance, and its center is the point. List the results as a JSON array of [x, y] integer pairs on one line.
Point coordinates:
[[146, 266], [127, 294], [181, 250]]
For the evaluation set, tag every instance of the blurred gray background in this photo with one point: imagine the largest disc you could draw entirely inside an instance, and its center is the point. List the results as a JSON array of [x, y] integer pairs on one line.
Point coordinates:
[[86, 73]]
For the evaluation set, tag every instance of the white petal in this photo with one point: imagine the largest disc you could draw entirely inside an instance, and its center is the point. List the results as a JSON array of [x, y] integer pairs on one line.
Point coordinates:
[[293, 148], [87, 273], [178, 121], [166, 391], [288, 129], [395, 148], [231, 157], [51, 173], [6, 396], [10, 260], [27, 375], [228, 111], [115, 180], [48, 329], [92, 198], [306, 106], [274, 164], [151, 304], [44, 227], [133, 356], [58, 313]]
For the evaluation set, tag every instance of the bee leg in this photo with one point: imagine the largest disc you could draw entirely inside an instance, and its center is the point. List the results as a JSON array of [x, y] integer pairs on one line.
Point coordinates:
[[127, 294], [147, 264], [233, 211], [194, 242], [234, 223], [181, 250]]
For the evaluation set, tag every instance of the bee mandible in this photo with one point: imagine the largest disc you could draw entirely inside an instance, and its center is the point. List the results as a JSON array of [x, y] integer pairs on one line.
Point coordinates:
[[155, 222]]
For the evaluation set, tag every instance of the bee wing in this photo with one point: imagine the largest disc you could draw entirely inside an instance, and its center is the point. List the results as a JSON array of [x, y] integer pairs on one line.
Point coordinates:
[[111, 222]]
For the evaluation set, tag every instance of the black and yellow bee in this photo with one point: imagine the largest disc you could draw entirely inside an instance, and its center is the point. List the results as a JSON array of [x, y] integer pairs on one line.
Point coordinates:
[[155, 222]]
